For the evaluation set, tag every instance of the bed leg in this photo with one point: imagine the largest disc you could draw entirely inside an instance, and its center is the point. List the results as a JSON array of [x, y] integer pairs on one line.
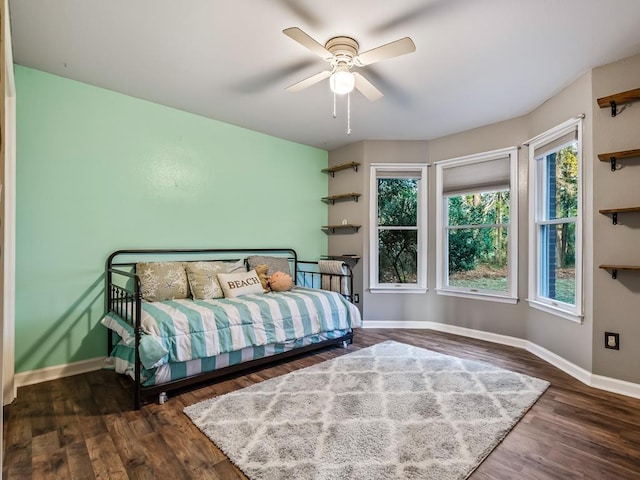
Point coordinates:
[[345, 344], [162, 398]]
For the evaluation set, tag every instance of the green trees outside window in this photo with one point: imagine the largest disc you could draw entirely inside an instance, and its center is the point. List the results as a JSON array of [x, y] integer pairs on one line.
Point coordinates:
[[558, 210], [478, 245], [397, 230]]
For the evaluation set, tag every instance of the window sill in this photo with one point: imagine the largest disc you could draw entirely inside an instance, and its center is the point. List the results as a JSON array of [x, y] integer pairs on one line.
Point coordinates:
[[558, 312], [491, 297], [399, 289]]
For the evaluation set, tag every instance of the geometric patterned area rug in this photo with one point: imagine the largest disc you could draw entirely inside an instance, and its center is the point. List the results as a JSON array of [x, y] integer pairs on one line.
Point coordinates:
[[390, 411]]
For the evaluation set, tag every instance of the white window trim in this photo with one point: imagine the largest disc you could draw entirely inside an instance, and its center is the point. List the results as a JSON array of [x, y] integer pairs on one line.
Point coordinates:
[[442, 266], [574, 313], [421, 285]]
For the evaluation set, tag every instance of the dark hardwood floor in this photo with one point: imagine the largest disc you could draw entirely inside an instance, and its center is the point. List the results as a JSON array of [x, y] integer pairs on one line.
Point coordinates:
[[84, 427]]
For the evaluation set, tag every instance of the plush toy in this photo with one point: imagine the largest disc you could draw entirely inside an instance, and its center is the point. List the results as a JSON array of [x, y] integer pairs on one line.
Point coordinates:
[[261, 270], [281, 282]]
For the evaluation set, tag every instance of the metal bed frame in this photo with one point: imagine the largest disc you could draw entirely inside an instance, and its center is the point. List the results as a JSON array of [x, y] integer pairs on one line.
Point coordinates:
[[125, 299]]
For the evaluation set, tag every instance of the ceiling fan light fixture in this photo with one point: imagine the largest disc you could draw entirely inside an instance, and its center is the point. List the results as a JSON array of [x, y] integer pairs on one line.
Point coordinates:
[[342, 81]]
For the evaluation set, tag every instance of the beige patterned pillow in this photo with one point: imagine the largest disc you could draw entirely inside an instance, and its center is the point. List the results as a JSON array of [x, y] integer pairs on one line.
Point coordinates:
[[203, 279], [162, 280], [241, 283]]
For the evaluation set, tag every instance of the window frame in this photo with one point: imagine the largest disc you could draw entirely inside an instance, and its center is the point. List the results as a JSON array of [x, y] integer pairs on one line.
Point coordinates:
[[421, 225], [442, 228], [574, 313]]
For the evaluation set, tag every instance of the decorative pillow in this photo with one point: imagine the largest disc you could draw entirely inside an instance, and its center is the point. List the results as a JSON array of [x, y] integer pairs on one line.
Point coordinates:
[[203, 279], [281, 282], [236, 266], [122, 328], [162, 280], [276, 264], [240, 283], [151, 351]]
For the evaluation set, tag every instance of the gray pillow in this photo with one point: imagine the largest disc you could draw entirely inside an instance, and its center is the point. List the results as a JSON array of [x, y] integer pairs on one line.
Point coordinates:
[[275, 264], [235, 266]]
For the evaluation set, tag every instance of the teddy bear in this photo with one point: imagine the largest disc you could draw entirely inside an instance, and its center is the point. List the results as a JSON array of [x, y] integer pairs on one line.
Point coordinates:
[[280, 282], [261, 270]]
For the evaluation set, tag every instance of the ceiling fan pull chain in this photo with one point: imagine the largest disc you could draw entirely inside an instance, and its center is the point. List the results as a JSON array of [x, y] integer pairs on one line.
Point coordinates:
[[348, 113], [334, 106]]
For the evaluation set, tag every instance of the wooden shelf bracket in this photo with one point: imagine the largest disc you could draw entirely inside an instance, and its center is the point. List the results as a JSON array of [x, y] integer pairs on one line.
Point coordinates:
[[615, 211], [332, 170], [347, 226], [613, 157], [612, 101], [614, 269], [332, 199]]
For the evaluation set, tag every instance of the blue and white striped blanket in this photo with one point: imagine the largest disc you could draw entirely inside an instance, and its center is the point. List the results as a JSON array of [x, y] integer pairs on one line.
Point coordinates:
[[190, 329]]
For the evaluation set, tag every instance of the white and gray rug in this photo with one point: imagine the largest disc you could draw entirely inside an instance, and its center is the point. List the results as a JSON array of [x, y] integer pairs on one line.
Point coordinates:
[[390, 411]]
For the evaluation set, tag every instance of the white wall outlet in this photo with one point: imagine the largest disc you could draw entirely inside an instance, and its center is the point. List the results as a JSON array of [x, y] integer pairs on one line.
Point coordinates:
[[612, 340]]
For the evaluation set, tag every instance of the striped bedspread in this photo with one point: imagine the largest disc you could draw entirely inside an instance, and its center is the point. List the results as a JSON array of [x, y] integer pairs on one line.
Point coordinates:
[[123, 358], [192, 329]]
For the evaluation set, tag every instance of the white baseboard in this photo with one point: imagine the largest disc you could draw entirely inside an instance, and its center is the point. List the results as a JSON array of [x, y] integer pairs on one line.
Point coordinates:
[[59, 371], [596, 381], [616, 386]]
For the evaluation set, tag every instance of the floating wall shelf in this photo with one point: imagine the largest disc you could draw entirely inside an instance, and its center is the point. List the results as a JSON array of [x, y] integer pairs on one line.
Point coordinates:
[[344, 226], [614, 156], [614, 269], [332, 199], [612, 101], [615, 211], [347, 258], [345, 166]]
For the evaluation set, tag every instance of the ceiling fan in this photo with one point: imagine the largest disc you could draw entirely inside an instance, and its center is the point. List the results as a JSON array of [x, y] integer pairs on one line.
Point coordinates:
[[342, 55]]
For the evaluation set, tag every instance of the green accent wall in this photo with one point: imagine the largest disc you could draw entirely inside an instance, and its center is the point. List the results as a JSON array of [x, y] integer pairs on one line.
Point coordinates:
[[99, 171]]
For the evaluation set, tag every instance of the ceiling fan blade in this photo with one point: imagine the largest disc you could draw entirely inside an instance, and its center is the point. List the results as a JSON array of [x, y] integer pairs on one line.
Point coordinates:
[[392, 91], [302, 12], [307, 82], [394, 49], [431, 9], [306, 41], [263, 81], [366, 87]]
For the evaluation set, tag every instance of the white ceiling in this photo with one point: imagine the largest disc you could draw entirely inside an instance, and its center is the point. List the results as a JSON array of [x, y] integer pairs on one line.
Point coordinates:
[[476, 61]]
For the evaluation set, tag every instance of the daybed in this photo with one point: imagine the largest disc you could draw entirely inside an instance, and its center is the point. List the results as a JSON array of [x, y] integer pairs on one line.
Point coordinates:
[[174, 328]]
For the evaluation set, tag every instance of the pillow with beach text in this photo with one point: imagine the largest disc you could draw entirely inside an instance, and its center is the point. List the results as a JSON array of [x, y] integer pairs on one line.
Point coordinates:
[[240, 283]]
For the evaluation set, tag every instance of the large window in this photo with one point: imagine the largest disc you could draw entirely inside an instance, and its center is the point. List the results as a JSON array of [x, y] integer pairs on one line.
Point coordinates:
[[398, 228], [555, 260], [477, 225]]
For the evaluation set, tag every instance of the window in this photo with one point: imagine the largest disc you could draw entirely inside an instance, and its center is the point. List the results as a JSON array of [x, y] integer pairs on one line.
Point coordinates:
[[477, 226], [555, 225], [398, 228]]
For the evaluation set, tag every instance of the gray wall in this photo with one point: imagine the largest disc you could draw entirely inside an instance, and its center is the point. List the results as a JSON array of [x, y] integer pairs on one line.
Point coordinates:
[[616, 303], [373, 306], [501, 318], [348, 181], [570, 340], [609, 305]]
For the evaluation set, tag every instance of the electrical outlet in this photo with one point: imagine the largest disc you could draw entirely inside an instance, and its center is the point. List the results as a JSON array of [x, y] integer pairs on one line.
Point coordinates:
[[356, 298], [612, 340]]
